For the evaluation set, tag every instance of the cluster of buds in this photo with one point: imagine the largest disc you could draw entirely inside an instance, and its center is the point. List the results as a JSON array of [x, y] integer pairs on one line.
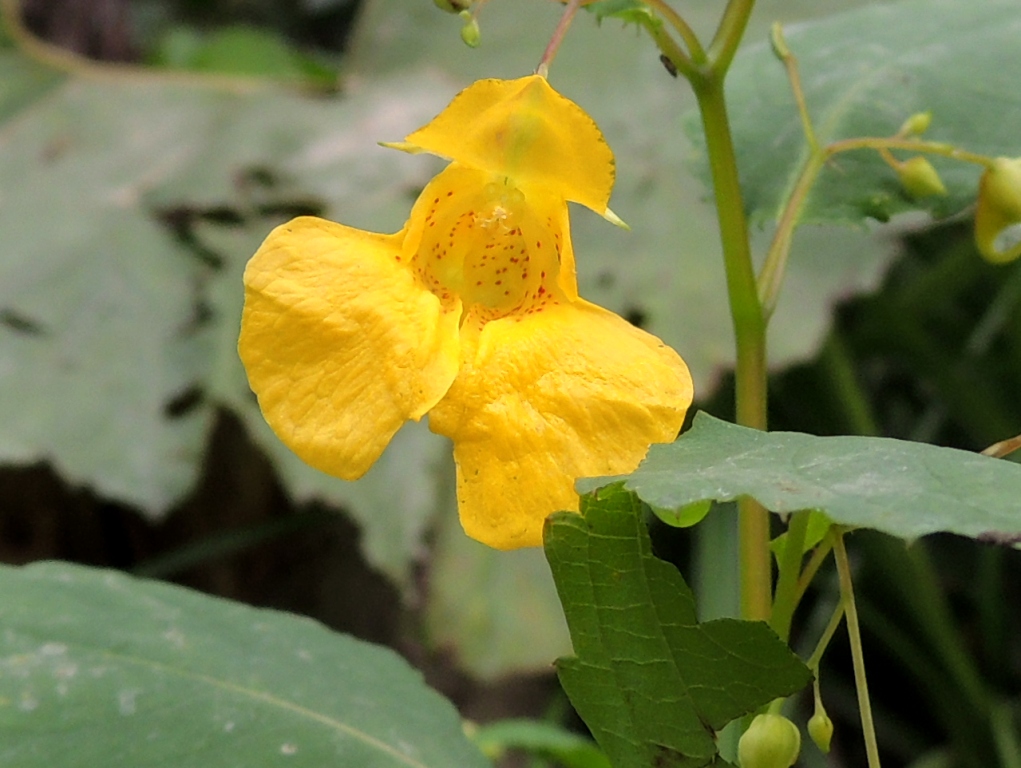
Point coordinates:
[[998, 209], [917, 175], [470, 32], [773, 741]]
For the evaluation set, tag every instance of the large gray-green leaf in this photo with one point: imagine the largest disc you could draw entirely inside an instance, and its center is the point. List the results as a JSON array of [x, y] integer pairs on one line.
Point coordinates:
[[899, 487], [109, 323], [99, 669], [864, 72]]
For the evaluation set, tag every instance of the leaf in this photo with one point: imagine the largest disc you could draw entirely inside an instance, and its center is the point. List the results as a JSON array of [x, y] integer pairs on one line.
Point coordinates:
[[140, 203], [628, 11], [899, 487], [97, 668], [863, 73], [652, 684], [568, 749], [244, 50]]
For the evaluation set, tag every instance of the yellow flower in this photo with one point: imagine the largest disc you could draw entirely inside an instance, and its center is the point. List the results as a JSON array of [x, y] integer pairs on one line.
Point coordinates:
[[471, 314]]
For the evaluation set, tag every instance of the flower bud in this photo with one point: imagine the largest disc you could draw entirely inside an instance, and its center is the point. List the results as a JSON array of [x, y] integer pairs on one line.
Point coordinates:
[[916, 125], [998, 214], [771, 741], [470, 31], [919, 178], [820, 728]]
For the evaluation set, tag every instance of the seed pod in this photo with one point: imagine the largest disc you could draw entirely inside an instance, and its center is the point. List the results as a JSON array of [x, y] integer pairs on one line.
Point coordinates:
[[771, 741]]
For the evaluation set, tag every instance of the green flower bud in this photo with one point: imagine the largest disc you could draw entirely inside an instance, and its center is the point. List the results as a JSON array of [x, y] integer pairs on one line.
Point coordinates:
[[470, 31], [452, 6], [820, 728], [771, 741], [916, 125], [998, 214], [919, 178]]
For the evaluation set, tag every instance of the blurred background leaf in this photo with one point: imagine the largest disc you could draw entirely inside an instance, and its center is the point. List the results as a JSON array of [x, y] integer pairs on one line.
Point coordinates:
[[129, 205], [864, 72]]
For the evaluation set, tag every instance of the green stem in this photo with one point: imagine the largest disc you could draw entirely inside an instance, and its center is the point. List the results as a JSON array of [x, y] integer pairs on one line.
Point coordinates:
[[785, 598], [729, 33], [814, 563], [678, 23], [669, 48], [749, 330], [824, 641], [857, 657]]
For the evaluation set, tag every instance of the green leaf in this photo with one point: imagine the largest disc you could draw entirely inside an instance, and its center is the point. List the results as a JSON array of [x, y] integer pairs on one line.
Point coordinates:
[[652, 684], [570, 750], [902, 488], [864, 72], [628, 11], [139, 203], [97, 668], [818, 526]]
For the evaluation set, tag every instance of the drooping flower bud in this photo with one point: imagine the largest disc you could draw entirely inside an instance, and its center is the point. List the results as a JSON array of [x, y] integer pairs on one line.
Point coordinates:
[[470, 32], [919, 178], [916, 125], [998, 215], [771, 741], [820, 727]]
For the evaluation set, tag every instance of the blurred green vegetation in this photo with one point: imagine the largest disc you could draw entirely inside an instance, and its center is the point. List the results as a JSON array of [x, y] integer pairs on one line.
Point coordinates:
[[918, 338]]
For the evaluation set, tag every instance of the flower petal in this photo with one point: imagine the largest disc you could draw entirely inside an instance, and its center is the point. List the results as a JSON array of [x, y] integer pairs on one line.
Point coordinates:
[[541, 400], [524, 130], [342, 345]]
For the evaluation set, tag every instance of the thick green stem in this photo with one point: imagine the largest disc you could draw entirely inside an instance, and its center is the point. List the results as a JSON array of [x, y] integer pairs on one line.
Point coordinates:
[[749, 330]]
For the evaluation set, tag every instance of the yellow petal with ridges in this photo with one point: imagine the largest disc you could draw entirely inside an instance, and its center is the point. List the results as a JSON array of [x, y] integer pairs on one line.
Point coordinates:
[[341, 343], [541, 400], [525, 130]]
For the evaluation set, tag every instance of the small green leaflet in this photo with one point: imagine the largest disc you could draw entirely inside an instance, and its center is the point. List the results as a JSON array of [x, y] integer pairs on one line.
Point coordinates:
[[652, 684]]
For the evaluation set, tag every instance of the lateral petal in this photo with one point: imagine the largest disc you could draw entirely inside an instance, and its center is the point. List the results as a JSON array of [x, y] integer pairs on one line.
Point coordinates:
[[341, 343], [541, 400]]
